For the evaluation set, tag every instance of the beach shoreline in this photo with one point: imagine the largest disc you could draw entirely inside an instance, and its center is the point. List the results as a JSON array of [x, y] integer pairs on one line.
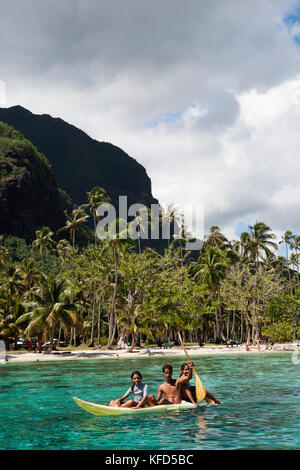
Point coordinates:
[[15, 357]]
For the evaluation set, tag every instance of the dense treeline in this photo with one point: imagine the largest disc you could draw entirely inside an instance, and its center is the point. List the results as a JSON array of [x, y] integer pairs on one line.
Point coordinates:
[[111, 291]]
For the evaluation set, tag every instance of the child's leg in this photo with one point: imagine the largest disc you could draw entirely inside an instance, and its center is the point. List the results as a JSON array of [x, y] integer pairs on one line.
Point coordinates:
[[165, 401], [151, 400], [113, 403], [209, 398], [128, 404]]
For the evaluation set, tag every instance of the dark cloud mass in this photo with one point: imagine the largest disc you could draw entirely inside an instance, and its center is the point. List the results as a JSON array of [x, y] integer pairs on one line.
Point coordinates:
[[224, 41]]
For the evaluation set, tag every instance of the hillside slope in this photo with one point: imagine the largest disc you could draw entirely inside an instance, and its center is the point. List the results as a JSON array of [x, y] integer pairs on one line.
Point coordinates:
[[79, 162], [29, 196]]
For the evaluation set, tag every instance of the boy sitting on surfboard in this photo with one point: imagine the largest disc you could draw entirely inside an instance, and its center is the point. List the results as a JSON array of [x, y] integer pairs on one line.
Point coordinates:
[[175, 391], [172, 389], [190, 390]]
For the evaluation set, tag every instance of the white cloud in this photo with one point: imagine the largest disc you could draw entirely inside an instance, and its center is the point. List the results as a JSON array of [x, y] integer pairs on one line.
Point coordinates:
[[206, 96]]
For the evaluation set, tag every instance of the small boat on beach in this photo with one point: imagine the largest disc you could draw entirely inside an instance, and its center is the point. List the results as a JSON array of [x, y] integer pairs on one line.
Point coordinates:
[[104, 410]]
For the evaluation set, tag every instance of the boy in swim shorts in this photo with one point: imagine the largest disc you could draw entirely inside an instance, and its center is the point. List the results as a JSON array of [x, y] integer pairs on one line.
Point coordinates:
[[172, 389]]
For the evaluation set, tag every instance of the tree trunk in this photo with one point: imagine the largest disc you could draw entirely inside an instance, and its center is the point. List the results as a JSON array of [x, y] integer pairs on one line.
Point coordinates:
[[122, 343], [112, 327], [99, 325], [95, 226], [93, 313], [242, 327], [248, 330], [287, 260], [233, 335], [228, 324], [132, 343], [71, 336], [297, 268], [138, 340], [215, 334], [219, 323], [59, 335], [51, 336]]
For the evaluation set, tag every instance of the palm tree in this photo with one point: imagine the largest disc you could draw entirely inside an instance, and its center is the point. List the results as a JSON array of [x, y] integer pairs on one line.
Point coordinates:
[[211, 269], [134, 322], [140, 224], [294, 261], [13, 281], [11, 308], [115, 244], [259, 244], [51, 306], [287, 239], [96, 197], [215, 237], [183, 237], [260, 241], [44, 243], [296, 246], [168, 218], [4, 252], [75, 222], [29, 272], [64, 251], [245, 241]]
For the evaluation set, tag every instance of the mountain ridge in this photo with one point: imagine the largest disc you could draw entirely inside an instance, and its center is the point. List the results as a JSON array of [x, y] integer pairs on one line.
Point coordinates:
[[80, 162], [29, 196]]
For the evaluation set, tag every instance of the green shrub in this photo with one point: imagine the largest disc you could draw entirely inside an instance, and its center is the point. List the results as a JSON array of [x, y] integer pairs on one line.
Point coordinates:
[[281, 332]]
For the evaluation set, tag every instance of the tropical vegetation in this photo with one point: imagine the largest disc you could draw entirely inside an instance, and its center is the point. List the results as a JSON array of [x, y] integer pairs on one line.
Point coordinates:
[[111, 292]]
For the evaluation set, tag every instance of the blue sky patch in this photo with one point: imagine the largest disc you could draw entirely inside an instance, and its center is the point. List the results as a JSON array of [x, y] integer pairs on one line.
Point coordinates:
[[293, 19], [167, 118]]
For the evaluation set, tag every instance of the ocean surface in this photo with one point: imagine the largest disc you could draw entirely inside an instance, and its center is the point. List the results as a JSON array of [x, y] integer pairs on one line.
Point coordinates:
[[260, 395]]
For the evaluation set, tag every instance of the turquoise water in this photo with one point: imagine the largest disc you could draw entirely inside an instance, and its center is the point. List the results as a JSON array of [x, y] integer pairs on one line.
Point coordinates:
[[260, 411]]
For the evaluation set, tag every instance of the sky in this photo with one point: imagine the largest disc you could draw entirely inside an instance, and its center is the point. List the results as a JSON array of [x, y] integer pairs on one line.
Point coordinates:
[[204, 94]]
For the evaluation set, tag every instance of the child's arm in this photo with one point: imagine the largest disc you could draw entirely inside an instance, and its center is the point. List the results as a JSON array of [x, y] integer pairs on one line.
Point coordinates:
[[185, 379], [190, 396], [140, 404], [120, 400], [191, 364], [159, 393], [144, 399]]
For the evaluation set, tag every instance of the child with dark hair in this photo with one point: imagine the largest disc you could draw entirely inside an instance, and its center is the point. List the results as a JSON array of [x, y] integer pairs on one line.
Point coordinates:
[[188, 391], [171, 389], [139, 391]]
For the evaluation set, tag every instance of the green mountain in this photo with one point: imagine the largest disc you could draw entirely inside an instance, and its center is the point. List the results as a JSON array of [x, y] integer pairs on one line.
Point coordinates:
[[79, 162], [29, 196]]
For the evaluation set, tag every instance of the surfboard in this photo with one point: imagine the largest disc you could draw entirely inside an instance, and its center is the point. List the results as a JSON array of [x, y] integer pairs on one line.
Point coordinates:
[[103, 410]]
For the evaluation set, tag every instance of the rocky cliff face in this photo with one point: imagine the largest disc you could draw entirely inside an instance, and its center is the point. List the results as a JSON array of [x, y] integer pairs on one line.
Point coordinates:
[[28, 193], [79, 163]]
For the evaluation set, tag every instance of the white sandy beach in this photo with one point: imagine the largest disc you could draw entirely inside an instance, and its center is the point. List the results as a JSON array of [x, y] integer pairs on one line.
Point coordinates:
[[13, 356]]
